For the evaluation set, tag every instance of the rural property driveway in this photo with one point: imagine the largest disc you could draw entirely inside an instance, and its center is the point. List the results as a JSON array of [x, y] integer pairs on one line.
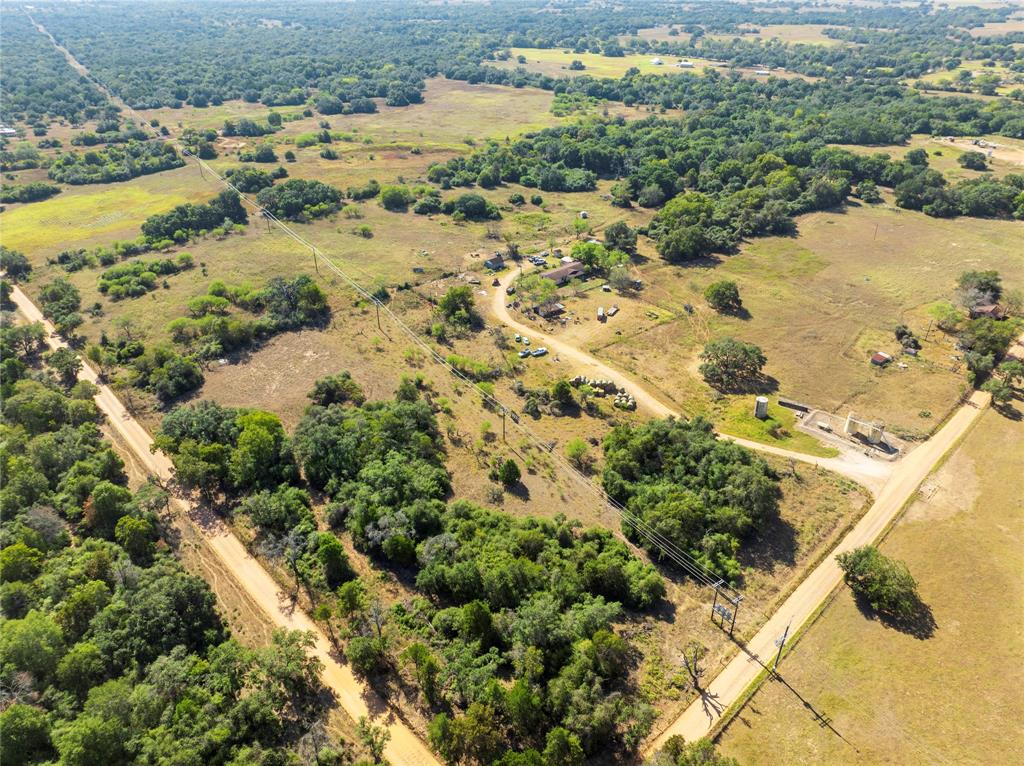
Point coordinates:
[[898, 485], [852, 463], [355, 697]]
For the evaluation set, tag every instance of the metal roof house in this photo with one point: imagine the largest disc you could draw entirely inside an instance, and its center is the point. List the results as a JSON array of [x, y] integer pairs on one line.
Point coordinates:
[[495, 262], [561, 275]]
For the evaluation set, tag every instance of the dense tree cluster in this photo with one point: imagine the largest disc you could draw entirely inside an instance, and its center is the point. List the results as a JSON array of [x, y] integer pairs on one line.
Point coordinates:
[[35, 191], [189, 219], [109, 651], [281, 305], [300, 200], [135, 278], [747, 161], [119, 162], [702, 494]]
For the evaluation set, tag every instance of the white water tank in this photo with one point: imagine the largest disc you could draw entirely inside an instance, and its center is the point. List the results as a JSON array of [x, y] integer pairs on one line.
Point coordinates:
[[761, 407]]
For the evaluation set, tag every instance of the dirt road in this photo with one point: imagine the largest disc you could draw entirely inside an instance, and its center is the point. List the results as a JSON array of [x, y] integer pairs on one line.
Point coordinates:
[[355, 697], [894, 483], [852, 463]]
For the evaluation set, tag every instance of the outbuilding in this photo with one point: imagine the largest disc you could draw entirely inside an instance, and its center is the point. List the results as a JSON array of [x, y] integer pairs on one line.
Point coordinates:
[[496, 262], [880, 358]]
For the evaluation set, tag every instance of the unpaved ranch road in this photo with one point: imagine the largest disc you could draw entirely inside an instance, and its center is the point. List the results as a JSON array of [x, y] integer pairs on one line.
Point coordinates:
[[898, 485], [354, 697], [852, 463]]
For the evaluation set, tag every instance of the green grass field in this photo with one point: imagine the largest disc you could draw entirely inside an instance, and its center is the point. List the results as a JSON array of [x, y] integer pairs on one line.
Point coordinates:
[[85, 216], [951, 698], [779, 429]]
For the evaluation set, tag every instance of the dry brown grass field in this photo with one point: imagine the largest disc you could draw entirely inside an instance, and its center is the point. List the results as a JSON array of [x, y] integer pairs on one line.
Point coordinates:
[[819, 304], [894, 698]]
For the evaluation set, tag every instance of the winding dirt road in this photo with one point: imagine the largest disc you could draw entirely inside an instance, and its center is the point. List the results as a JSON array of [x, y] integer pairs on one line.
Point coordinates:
[[354, 697], [852, 463], [895, 484]]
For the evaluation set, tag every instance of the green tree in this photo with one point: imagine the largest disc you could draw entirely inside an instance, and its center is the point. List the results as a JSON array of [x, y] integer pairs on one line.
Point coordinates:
[[723, 296], [730, 364], [509, 473], [14, 264], [106, 506], [620, 236], [1000, 390], [578, 453], [395, 198], [374, 738], [333, 559], [20, 562], [81, 668], [138, 538], [337, 389], [885, 583], [562, 749], [457, 307], [561, 392], [24, 735], [678, 752], [427, 670], [34, 643], [972, 161]]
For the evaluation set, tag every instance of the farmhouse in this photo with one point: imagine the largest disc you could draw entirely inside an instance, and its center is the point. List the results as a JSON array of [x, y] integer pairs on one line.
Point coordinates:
[[561, 275], [496, 262]]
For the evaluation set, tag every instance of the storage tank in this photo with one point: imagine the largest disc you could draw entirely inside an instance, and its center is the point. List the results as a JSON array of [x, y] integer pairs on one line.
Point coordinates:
[[761, 407]]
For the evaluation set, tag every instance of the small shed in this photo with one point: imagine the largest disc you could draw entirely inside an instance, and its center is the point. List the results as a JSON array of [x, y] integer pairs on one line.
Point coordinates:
[[550, 310], [990, 310], [880, 358], [495, 262]]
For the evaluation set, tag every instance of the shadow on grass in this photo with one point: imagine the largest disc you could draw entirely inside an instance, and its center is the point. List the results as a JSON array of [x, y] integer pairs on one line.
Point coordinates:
[[919, 622]]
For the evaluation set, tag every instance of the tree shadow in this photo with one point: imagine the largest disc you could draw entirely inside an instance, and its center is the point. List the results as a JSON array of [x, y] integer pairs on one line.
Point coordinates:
[[760, 384], [520, 490], [775, 543], [919, 623]]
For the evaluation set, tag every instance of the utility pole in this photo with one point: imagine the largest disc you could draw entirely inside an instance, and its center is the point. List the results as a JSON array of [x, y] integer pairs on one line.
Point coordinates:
[[781, 642], [723, 612], [376, 304], [504, 410], [316, 265]]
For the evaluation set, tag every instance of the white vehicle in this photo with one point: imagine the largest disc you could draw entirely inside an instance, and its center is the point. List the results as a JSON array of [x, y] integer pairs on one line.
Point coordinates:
[[540, 351], [526, 341], [524, 353], [518, 337]]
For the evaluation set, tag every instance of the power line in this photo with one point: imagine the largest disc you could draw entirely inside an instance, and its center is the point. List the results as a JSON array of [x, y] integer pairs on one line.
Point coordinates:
[[681, 558]]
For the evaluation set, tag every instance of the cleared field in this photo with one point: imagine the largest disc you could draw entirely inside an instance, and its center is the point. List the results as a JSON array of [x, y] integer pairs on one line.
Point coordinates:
[[1007, 157], [975, 68], [808, 34], [951, 698], [85, 216], [819, 304], [555, 63], [993, 28]]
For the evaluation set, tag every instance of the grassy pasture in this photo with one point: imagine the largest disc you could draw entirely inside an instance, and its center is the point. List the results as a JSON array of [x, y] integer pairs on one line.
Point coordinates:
[[555, 63], [94, 214], [807, 34], [896, 698], [942, 155], [820, 303], [975, 67]]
